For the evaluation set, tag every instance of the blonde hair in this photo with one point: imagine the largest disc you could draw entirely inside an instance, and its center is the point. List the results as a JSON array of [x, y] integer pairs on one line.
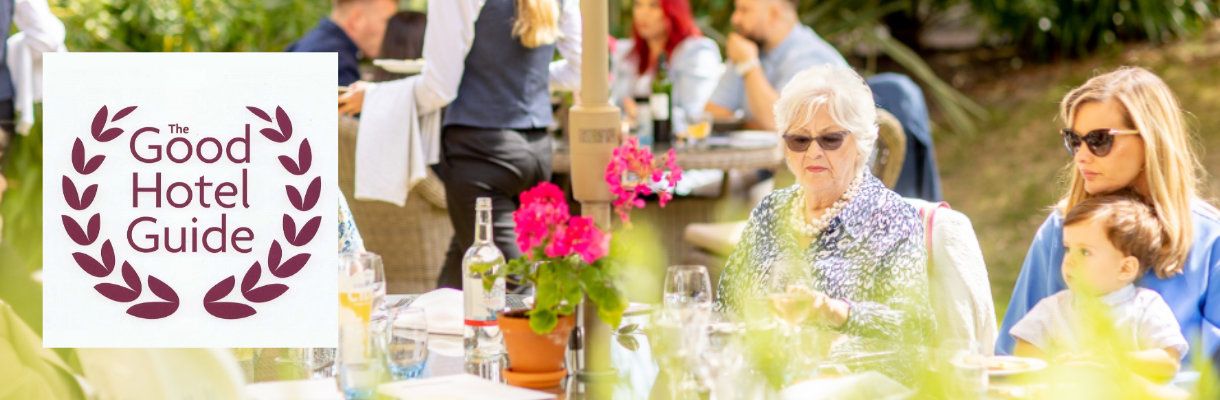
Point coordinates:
[[1171, 168], [537, 22]]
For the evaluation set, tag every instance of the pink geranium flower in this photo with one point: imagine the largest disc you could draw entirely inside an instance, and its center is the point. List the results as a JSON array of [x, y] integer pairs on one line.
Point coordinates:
[[630, 169], [581, 237], [543, 208]]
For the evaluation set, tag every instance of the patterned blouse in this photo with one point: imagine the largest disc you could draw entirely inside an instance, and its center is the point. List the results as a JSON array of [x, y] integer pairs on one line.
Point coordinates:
[[349, 236], [871, 255]]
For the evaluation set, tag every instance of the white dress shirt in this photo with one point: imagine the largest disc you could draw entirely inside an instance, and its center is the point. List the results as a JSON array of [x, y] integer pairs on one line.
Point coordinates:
[[40, 32], [450, 34]]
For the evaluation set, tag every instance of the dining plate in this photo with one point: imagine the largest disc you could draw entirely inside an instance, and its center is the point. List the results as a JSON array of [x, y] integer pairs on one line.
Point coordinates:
[[1013, 365], [400, 66]]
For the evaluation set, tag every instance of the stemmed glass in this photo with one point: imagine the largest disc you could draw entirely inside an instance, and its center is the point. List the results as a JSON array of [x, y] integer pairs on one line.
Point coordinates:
[[682, 326]]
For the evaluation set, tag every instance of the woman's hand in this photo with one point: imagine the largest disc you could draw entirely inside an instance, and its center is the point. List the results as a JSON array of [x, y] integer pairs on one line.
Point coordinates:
[[820, 307], [352, 102]]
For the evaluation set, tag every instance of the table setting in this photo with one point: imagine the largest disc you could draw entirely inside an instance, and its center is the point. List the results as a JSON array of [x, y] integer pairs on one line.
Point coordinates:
[[681, 348]]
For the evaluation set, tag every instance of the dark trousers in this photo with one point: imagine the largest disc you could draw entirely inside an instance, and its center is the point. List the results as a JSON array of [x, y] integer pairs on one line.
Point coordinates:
[[7, 127], [495, 163]]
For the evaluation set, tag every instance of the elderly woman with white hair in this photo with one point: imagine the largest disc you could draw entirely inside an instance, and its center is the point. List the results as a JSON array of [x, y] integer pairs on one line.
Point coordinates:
[[838, 243]]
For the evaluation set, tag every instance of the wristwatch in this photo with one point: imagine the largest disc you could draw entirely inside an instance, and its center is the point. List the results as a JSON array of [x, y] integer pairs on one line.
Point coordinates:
[[744, 68]]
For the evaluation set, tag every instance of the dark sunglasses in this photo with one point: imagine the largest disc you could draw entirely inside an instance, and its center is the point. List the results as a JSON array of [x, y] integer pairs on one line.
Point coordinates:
[[829, 142], [1099, 140]]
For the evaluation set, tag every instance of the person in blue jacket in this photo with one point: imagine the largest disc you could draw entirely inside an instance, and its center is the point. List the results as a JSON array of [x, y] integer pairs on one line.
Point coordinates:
[[1126, 130], [354, 29]]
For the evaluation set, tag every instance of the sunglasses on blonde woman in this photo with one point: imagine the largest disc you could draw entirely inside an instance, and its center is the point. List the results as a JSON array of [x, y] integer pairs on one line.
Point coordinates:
[[829, 142], [1100, 141]]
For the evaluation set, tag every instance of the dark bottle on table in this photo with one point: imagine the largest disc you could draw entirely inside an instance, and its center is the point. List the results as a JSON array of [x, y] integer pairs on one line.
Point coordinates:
[[661, 103]]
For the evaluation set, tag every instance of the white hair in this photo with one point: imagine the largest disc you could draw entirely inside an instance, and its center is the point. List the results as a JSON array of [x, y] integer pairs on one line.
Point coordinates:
[[848, 98]]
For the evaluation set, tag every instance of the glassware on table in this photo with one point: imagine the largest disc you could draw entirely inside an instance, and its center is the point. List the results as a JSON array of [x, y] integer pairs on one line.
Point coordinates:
[[681, 327], [483, 341], [791, 307], [698, 128], [405, 340], [687, 285], [320, 362], [360, 366]]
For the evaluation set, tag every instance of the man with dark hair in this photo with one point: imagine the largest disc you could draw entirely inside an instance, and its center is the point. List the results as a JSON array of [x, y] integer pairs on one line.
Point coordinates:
[[353, 29], [767, 47]]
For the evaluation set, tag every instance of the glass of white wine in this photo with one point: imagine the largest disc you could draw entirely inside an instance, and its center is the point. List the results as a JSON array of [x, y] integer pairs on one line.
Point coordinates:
[[699, 126]]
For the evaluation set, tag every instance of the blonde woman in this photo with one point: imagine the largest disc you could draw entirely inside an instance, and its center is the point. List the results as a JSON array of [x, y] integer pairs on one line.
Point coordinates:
[[490, 62], [1125, 130]]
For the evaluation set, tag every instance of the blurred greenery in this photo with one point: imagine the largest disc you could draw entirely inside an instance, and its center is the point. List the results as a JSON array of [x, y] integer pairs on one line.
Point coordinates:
[[186, 25], [21, 215], [1048, 28]]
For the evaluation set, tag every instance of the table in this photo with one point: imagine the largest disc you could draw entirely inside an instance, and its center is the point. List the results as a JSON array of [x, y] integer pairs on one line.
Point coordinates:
[[722, 158], [639, 376]]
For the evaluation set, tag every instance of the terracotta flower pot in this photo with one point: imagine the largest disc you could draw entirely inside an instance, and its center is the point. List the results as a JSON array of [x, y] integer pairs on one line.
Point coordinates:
[[532, 356]]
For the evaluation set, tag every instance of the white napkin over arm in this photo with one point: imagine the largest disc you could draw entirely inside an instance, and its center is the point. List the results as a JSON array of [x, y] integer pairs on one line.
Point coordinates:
[[394, 144]]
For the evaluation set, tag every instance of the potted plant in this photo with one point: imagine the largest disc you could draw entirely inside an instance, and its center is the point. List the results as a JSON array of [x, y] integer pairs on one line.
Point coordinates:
[[565, 259]]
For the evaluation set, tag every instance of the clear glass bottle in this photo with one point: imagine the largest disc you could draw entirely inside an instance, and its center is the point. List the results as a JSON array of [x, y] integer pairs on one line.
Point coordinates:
[[484, 344]]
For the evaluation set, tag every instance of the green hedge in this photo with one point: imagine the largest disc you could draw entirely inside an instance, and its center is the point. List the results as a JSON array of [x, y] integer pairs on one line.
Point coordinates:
[[187, 25]]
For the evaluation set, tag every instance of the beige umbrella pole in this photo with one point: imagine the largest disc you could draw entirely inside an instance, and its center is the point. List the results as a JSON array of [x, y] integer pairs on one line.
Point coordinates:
[[592, 135]]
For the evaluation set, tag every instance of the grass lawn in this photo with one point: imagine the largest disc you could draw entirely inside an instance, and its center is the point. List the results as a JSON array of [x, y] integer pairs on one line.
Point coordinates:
[[1008, 174]]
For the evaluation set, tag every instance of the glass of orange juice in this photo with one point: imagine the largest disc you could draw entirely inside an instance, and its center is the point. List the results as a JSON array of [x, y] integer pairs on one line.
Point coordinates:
[[359, 361]]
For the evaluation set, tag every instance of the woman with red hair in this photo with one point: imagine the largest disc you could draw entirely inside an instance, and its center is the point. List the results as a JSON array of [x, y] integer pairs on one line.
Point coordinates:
[[694, 63]]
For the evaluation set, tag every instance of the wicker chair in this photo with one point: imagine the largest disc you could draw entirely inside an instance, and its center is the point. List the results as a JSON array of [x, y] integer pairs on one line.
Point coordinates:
[[412, 239], [714, 241], [890, 150]]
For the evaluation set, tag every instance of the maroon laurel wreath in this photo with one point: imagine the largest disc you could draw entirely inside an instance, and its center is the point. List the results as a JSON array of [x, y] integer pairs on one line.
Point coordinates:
[[276, 265], [103, 266]]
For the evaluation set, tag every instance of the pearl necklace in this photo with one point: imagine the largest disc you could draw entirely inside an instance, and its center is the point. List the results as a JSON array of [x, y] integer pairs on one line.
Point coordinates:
[[815, 227]]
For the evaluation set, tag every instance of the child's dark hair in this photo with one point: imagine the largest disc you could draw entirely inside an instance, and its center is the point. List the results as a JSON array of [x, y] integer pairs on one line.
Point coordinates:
[[1130, 225]]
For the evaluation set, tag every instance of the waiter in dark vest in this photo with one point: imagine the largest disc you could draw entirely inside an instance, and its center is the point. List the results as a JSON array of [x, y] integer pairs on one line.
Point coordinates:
[[490, 62]]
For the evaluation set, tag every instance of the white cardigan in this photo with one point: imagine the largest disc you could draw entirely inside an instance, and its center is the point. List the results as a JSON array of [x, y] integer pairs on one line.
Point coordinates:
[[957, 278]]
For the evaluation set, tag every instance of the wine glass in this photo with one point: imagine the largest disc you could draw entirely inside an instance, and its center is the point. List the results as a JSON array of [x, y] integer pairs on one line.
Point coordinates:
[[687, 285], [682, 325]]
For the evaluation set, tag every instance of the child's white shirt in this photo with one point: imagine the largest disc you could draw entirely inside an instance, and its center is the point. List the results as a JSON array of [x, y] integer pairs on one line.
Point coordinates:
[[1139, 314]]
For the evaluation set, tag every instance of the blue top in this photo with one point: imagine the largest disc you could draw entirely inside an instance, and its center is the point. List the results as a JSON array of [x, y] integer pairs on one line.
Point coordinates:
[[505, 85], [326, 38], [803, 48], [900, 96], [1194, 295], [694, 70]]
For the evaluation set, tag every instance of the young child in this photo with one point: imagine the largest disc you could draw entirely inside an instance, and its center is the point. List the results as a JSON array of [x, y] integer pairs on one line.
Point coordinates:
[[1109, 242]]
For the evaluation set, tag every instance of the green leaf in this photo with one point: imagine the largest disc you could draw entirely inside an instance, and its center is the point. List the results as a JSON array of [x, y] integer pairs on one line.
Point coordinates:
[[547, 288], [542, 321], [605, 294], [628, 342]]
